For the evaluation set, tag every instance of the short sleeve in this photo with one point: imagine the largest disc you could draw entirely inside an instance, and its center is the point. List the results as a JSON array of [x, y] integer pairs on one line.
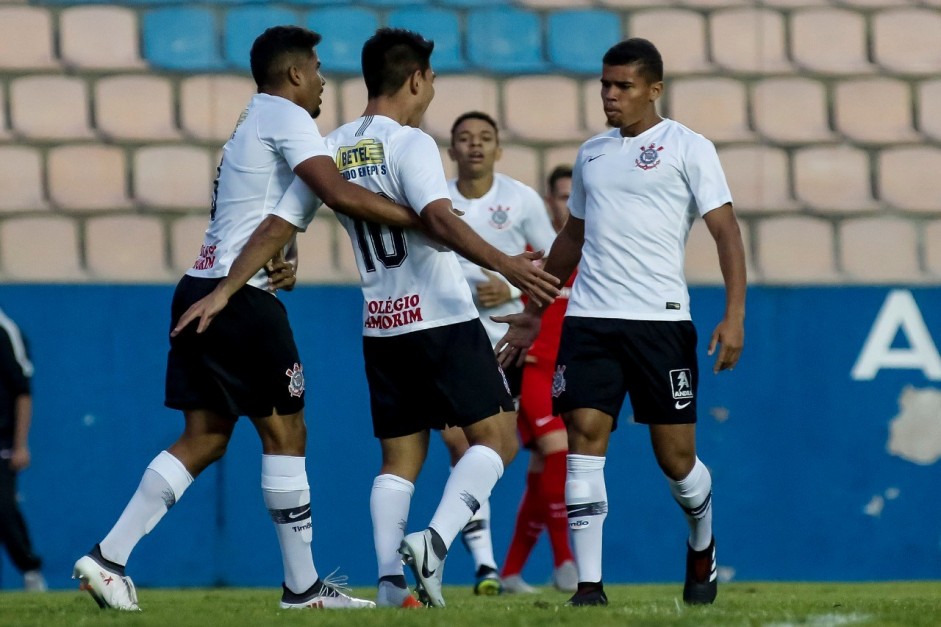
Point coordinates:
[[577, 197], [294, 134], [298, 205], [418, 164], [705, 175]]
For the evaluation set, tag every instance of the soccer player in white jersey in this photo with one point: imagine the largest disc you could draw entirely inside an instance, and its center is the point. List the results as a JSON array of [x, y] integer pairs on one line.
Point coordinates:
[[635, 193], [508, 215], [247, 363], [428, 360]]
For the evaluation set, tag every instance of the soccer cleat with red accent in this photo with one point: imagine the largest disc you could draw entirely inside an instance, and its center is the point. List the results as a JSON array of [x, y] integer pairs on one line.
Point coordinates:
[[109, 588], [331, 593], [701, 585], [428, 568]]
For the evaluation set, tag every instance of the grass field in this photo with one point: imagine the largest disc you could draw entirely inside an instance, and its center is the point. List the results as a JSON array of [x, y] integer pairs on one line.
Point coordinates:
[[753, 604]]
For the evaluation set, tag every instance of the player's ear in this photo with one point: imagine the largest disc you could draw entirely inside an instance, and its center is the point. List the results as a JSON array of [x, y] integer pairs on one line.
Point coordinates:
[[656, 90], [415, 80], [294, 75]]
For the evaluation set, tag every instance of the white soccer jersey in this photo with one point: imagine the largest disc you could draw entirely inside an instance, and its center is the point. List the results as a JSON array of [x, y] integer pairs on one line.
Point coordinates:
[[410, 282], [272, 137], [509, 216], [638, 197]]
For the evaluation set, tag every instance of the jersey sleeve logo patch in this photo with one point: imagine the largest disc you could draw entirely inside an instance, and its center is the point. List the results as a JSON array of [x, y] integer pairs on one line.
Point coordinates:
[[649, 157], [500, 217], [295, 380]]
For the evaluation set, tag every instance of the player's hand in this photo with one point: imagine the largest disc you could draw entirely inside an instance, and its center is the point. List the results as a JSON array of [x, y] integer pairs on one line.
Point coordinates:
[[19, 459], [494, 292], [282, 275], [535, 282], [514, 345], [729, 335], [205, 309]]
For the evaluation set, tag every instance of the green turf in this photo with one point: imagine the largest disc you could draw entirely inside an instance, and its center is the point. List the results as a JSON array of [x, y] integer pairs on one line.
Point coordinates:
[[766, 604]]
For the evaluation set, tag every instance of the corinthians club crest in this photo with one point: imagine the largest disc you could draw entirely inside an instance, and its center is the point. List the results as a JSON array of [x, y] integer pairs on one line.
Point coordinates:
[[295, 380], [500, 217], [649, 157]]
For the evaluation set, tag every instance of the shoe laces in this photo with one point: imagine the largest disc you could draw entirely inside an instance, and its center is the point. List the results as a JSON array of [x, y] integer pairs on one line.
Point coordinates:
[[335, 585]]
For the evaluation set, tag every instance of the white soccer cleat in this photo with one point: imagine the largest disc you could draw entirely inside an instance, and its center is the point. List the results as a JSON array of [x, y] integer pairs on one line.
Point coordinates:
[[110, 589], [331, 593], [515, 584], [33, 581], [390, 595], [428, 569], [565, 577]]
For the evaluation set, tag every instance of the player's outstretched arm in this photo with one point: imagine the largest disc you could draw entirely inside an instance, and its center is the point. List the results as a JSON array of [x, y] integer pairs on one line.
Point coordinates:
[[266, 242], [445, 226], [321, 175], [729, 334]]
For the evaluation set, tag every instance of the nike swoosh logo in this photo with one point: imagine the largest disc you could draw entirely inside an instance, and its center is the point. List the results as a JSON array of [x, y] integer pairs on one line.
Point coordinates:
[[590, 159], [296, 515], [424, 563], [542, 422], [680, 405]]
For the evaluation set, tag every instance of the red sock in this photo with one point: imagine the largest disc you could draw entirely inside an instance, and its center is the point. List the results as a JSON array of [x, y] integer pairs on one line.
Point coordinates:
[[529, 524], [553, 495]]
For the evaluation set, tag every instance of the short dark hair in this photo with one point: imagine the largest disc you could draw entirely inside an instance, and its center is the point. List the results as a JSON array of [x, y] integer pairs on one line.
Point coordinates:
[[272, 49], [559, 172], [639, 51], [390, 56], [475, 115]]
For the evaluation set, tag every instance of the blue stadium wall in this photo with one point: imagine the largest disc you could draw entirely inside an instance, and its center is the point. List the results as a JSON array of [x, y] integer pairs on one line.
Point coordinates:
[[797, 438]]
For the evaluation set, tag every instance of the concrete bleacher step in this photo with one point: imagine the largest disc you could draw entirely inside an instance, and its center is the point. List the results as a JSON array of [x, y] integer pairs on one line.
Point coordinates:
[[88, 177]]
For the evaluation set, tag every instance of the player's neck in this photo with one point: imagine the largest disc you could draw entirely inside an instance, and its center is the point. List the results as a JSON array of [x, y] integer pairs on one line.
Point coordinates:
[[475, 187], [644, 124], [392, 109]]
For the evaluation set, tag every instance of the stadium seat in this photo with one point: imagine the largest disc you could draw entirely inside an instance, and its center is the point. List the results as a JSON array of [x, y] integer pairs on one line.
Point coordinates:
[[21, 179], [877, 4], [186, 236], [439, 25], [796, 249], [50, 107], [908, 41], [932, 242], [929, 108], [26, 33], [679, 34], [749, 40], [796, 4], [317, 250], [554, 4], [177, 177], [505, 40], [715, 107], [910, 178], [830, 41], [99, 37], [136, 107], [857, 99], [471, 3], [526, 115], [879, 249], [455, 95], [182, 39], [522, 163], [759, 177], [88, 177], [702, 260], [774, 101], [25, 245], [594, 120], [631, 4], [244, 24], [833, 178], [578, 39], [126, 248], [210, 104], [553, 156], [344, 30]]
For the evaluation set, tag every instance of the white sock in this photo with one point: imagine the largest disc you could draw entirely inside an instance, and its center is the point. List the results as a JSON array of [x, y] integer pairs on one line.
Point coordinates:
[[287, 497], [469, 485], [587, 502], [477, 539], [389, 501], [164, 482], [694, 494]]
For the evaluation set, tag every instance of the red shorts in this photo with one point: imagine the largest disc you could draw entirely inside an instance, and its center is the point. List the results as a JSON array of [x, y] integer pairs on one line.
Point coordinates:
[[535, 418]]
